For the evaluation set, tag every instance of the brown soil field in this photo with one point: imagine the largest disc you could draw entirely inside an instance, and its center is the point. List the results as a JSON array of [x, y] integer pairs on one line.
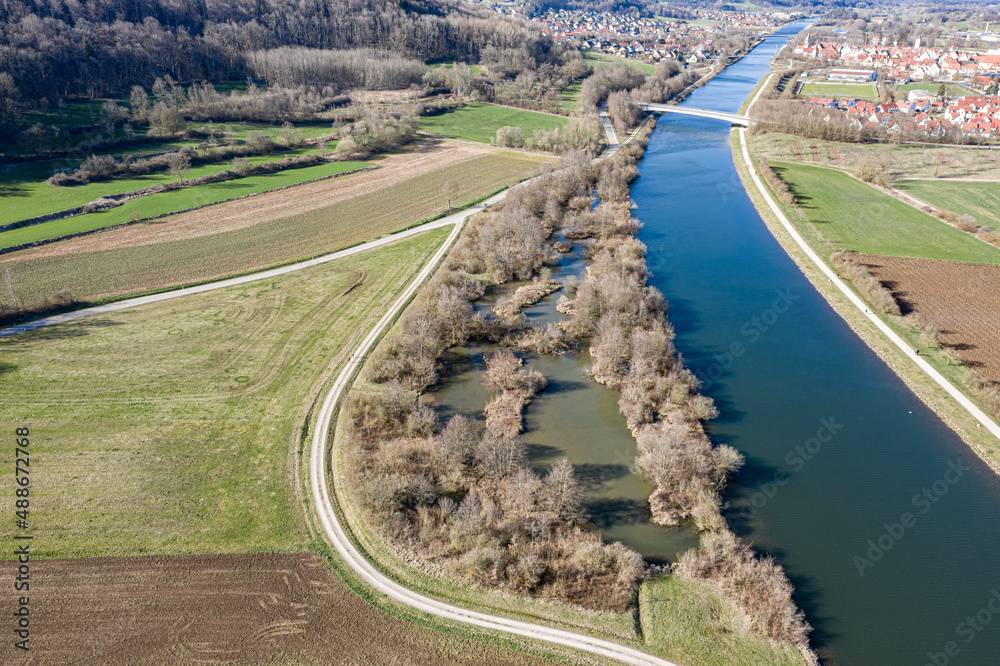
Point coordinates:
[[962, 300], [287, 608], [425, 157]]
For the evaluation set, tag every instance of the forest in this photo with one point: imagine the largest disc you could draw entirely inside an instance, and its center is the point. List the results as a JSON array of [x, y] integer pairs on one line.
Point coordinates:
[[101, 48]]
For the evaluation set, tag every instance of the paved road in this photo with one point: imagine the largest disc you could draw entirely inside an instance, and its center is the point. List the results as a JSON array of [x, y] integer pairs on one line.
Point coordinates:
[[337, 536], [938, 378], [457, 218], [609, 130]]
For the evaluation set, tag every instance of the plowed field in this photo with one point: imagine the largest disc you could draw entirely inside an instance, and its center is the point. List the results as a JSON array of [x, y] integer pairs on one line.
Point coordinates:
[[962, 300], [287, 608]]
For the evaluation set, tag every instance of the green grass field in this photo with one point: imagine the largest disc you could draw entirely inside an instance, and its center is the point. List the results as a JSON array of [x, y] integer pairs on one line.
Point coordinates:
[[480, 122], [689, 623], [595, 58], [570, 96], [294, 236], [859, 90], [932, 87], [73, 114], [25, 194], [475, 69], [174, 200], [170, 428], [980, 200], [842, 212]]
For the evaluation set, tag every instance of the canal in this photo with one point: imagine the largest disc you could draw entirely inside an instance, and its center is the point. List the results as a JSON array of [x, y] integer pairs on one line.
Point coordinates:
[[883, 518]]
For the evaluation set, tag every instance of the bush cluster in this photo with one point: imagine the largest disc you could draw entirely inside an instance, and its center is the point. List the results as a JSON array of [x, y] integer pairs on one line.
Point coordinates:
[[874, 291], [778, 186]]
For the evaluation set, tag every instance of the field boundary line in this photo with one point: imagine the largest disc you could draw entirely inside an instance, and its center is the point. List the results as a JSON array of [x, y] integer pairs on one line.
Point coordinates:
[[926, 367]]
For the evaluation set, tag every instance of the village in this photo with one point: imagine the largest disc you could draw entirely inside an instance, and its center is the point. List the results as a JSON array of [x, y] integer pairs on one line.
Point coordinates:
[[649, 39], [902, 64], [942, 94]]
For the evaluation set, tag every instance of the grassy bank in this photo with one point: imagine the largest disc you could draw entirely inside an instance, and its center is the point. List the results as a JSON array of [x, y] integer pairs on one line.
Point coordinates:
[[479, 122], [189, 450], [690, 624]]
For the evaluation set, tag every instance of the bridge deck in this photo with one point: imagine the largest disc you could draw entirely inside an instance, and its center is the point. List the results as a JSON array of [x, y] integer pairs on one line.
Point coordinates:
[[734, 118]]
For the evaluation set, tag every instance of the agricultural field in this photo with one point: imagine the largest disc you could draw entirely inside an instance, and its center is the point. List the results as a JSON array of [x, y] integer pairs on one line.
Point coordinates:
[[860, 90], [980, 200], [595, 58], [162, 203], [837, 211], [265, 230], [479, 122], [904, 161], [961, 300], [689, 623], [192, 449], [278, 609], [25, 194]]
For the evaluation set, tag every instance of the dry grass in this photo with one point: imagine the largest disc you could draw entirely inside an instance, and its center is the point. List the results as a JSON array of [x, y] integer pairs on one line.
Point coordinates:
[[904, 161], [169, 428]]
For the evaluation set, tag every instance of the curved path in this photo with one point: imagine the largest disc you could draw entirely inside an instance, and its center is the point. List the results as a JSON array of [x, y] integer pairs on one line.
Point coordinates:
[[938, 378], [338, 537], [320, 489]]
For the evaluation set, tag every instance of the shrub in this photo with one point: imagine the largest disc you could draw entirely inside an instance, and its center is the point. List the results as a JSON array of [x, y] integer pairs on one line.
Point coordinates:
[[509, 137], [873, 290]]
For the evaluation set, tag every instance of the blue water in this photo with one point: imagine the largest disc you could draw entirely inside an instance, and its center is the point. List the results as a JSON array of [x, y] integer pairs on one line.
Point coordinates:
[[787, 372]]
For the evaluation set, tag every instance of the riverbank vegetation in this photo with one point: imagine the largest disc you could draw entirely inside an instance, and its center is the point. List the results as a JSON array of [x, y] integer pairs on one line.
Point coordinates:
[[461, 494], [446, 492]]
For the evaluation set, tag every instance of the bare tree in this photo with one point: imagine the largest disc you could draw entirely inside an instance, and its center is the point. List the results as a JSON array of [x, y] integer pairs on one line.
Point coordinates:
[[178, 164]]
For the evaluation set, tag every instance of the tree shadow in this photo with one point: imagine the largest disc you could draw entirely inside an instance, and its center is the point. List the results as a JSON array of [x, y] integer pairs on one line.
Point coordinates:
[[13, 191], [543, 452], [592, 476], [67, 331], [608, 512]]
